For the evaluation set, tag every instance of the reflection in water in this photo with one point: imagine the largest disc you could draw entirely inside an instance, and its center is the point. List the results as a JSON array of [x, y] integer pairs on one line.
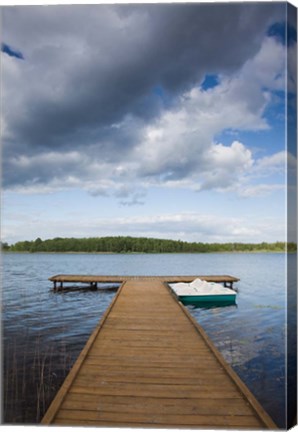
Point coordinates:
[[208, 305], [43, 333]]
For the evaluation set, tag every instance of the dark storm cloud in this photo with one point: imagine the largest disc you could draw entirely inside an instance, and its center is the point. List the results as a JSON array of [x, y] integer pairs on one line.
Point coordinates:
[[89, 69]]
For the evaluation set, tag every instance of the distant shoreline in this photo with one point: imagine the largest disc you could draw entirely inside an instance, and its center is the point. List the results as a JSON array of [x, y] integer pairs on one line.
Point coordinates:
[[147, 253], [137, 245]]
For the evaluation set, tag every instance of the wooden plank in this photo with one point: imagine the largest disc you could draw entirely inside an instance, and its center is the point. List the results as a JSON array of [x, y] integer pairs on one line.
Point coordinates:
[[166, 334], [133, 424], [152, 424], [156, 388], [149, 344], [139, 348], [145, 370], [186, 362], [128, 404], [138, 335], [134, 361], [120, 279], [146, 326], [166, 419], [186, 359], [152, 390], [208, 380]]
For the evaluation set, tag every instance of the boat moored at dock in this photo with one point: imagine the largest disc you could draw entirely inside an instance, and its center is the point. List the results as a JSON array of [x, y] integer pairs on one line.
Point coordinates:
[[202, 292]]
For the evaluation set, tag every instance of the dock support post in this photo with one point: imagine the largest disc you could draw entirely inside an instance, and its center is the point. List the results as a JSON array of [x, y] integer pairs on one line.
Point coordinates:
[[93, 285], [55, 286]]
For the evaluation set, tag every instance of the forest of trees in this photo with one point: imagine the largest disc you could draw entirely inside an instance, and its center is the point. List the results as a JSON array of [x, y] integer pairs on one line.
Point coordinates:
[[123, 244]]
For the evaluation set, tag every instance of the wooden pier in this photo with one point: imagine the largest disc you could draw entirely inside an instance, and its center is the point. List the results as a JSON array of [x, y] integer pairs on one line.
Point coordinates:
[[149, 364], [93, 280]]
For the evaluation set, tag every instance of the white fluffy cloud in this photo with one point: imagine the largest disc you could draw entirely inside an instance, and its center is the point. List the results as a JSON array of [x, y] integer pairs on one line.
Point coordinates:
[[183, 226], [180, 144]]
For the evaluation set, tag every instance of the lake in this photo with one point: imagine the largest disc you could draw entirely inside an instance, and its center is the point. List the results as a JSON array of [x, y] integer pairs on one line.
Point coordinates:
[[44, 332]]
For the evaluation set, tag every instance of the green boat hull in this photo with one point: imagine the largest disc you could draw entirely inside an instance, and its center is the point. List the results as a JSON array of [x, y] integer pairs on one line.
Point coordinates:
[[209, 300]]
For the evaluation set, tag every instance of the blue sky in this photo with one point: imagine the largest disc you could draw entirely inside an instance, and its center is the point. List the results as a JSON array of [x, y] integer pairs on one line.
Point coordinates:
[[151, 120]]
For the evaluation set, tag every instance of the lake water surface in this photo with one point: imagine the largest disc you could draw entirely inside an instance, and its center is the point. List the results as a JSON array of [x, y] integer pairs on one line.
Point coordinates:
[[43, 331]]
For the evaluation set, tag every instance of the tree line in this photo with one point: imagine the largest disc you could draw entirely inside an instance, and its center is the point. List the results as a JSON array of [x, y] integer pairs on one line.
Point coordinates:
[[122, 244]]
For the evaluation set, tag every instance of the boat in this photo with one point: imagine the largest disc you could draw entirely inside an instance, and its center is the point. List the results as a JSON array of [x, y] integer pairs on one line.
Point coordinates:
[[202, 292]]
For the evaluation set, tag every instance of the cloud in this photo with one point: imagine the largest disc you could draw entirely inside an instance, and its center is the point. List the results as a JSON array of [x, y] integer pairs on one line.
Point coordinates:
[[82, 110], [260, 190], [183, 226], [180, 144], [273, 163], [136, 199], [227, 163]]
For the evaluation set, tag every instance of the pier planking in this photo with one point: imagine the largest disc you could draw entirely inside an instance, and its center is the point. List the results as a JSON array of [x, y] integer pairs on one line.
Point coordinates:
[[149, 364]]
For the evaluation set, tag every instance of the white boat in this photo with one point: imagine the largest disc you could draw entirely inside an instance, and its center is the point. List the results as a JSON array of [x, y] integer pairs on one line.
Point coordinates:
[[201, 291]]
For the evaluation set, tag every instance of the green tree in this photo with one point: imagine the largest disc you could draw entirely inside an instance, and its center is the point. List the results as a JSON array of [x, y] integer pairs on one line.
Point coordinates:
[[4, 246]]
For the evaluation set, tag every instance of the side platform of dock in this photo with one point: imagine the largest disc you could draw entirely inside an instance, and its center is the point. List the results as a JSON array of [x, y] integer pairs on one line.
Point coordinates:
[[60, 280], [149, 364]]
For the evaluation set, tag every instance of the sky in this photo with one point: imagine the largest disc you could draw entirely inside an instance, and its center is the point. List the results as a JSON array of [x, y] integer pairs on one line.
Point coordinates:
[[156, 120]]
